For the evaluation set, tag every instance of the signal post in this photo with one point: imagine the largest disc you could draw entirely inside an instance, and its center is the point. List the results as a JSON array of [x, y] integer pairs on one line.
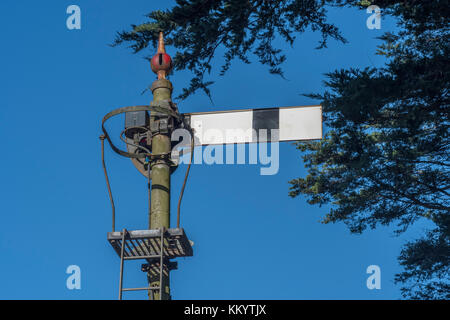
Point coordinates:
[[161, 64]]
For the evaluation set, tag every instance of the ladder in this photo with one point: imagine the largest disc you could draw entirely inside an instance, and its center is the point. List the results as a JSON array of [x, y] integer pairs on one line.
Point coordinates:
[[156, 246]]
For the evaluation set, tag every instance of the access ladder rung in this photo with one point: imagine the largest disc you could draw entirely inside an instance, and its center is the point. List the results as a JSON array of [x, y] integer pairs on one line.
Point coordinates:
[[140, 289], [142, 257], [123, 258]]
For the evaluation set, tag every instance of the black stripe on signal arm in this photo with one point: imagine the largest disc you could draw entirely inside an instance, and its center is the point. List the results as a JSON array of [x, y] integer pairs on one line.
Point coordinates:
[[267, 118]]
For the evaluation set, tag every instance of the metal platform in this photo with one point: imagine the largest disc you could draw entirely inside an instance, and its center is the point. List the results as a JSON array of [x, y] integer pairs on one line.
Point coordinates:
[[146, 244]]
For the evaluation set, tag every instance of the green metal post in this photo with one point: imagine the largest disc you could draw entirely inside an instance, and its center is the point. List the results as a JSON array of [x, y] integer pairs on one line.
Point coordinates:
[[160, 171]]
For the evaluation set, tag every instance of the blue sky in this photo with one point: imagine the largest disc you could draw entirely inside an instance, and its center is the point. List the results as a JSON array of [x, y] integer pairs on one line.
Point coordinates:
[[252, 241]]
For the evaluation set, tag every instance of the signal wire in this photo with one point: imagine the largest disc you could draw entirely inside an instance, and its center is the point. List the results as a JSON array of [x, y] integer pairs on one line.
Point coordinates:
[[185, 177], [102, 139]]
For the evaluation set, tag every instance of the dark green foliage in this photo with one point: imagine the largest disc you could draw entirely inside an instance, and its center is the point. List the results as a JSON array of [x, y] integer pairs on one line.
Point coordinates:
[[426, 262], [196, 28], [387, 153], [385, 157]]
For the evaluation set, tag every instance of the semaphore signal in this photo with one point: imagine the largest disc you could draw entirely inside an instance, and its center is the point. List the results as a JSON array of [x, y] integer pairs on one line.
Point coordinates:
[[150, 144]]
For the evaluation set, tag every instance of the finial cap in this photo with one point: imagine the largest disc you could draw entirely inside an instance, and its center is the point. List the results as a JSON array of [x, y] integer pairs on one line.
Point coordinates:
[[161, 62]]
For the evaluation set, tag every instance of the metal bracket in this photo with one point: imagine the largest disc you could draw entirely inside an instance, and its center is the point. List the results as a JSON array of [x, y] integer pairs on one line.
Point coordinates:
[[164, 122], [171, 265], [164, 125], [154, 127]]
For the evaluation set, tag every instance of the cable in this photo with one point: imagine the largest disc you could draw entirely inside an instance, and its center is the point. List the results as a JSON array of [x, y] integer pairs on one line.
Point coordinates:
[[185, 177], [132, 144], [149, 196], [148, 154], [102, 139], [157, 108]]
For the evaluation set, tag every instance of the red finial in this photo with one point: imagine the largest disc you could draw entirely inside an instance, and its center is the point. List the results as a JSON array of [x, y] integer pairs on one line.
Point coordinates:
[[161, 62]]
